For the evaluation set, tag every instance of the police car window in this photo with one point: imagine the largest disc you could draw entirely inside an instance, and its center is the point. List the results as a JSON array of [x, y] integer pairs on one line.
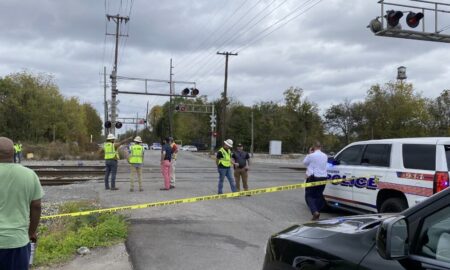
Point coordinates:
[[434, 240], [377, 155], [419, 156], [447, 155], [351, 155]]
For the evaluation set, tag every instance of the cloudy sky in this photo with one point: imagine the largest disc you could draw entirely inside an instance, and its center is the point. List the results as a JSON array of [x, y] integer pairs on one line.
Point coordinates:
[[322, 46]]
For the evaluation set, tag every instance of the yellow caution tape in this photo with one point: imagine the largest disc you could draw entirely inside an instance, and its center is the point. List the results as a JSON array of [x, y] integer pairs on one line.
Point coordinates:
[[198, 199]]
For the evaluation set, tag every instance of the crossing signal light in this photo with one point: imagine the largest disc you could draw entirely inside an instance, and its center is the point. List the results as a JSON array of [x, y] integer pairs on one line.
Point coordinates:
[[185, 92], [194, 92], [108, 124], [413, 19], [393, 17], [118, 125], [177, 108]]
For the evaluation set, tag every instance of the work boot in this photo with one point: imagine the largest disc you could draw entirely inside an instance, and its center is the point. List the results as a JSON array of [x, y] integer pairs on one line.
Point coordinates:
[[131, 189], [141, 189], [114, 188]]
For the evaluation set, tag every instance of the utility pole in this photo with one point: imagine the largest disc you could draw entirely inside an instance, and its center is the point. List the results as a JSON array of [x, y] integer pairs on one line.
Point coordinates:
[[252, 145], [104, 99], [225, 100], [118, 20], [171, 90]]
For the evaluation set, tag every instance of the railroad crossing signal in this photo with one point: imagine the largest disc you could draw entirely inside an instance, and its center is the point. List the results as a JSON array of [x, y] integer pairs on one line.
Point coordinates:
[[213, 120], [180, 108], [193, 91]]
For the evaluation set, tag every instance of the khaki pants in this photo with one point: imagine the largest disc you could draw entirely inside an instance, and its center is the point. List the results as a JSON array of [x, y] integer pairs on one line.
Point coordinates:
[[173, 163], [138, 171], [238, 174]]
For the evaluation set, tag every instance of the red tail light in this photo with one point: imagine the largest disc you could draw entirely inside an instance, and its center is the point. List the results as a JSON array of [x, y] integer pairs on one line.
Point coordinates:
[[441, 181]]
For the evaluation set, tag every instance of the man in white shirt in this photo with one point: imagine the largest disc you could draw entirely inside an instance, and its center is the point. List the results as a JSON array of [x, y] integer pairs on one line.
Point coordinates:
[[316, 163]]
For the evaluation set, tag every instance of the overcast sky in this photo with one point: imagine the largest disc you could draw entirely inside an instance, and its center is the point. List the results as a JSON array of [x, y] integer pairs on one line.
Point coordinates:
[[321, 46]]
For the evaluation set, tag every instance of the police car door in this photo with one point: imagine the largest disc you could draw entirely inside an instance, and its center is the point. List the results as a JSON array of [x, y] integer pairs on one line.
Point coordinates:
[[374, 165], [346, 161]]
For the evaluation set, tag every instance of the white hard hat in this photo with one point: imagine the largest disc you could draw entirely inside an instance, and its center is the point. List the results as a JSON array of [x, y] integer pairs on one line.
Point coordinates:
[[229, 142], [111, 137], [138, 139]]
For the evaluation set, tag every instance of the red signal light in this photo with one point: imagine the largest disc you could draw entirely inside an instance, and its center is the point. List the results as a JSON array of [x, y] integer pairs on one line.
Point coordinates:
[[441, 181], [393, 17], [413, 19]]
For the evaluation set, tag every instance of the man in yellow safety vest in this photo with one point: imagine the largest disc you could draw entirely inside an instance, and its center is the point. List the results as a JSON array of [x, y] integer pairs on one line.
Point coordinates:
[[111, 160], [224, 162], [136, 158]]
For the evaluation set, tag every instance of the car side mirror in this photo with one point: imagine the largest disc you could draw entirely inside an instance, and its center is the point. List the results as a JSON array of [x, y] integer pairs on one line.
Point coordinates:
[[392, 238], [333, 161]]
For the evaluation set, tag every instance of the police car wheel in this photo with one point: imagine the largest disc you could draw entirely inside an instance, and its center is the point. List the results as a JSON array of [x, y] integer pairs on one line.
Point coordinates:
[[393, 205]]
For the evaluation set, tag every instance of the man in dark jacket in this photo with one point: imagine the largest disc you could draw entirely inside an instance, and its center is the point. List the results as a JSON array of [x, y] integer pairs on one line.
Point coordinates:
[[242, 163]]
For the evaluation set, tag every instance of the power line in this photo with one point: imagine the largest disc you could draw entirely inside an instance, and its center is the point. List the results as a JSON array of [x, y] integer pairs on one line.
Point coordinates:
[[192, 63], [240, 49], [209, 56], [208, 36], [241, 32]]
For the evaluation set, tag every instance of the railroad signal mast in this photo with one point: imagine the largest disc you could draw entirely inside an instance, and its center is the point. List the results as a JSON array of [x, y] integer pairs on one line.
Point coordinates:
[[195, 108], [388, 24]]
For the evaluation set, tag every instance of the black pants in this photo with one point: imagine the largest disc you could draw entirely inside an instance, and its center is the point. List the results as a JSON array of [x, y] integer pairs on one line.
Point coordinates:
[[15, 258], [314, 195]]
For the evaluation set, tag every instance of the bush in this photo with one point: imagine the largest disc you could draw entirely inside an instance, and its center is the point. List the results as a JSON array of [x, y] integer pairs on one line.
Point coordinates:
[[59, 239]]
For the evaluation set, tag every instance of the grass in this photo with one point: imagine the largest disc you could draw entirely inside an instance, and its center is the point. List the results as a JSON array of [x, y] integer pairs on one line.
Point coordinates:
[[59, 240]]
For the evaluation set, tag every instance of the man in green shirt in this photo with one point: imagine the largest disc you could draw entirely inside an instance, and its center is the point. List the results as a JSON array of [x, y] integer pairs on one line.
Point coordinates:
[[20, 209]]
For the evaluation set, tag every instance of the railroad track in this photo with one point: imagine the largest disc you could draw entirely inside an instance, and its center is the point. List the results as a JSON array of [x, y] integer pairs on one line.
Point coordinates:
[[65, 175]]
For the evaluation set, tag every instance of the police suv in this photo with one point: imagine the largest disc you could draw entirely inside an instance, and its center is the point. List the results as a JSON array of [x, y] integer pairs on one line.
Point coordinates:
[[388, 175]]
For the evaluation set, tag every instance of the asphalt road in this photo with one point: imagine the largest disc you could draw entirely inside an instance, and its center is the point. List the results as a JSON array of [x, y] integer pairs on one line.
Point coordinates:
[[224, 234]]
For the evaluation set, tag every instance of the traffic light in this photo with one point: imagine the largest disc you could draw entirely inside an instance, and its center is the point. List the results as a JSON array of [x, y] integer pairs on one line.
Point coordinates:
[[185, 92], [118, 125], [194, 92], [214, 134], [393, 17], [375, 25], [108, 124], [413, 19]]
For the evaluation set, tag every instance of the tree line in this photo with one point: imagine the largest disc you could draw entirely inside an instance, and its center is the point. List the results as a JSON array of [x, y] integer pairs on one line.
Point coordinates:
[[392, 110], [32, 109]]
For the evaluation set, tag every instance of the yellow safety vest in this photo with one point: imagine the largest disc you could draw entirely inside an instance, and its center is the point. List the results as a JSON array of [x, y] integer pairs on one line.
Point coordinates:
[[136, 154], [19, 147], [110, 151], [16, 148], [226, 157]]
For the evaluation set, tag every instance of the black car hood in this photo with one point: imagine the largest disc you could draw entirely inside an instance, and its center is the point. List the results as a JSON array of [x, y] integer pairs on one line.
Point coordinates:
[[327, 227]]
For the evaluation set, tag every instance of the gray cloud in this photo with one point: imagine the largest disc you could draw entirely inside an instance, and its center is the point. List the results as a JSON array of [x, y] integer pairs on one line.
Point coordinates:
[[327, 51]]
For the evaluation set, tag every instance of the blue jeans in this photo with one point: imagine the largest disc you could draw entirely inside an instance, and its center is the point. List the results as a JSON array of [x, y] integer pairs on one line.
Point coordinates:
[[314, 195], [222, 173], [111, 168], [15, 258]]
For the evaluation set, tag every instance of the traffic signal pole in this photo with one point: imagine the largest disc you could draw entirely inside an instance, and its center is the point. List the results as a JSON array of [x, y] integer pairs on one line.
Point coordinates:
[[118, 20], [170, 100], [225, 100]]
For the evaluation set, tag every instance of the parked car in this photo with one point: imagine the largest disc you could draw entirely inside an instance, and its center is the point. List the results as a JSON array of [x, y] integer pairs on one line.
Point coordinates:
[[418, 238], [388, 175], [145, 146], [155, 146], [191, 148]]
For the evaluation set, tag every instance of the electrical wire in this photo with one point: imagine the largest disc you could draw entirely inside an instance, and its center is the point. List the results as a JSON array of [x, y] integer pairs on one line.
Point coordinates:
[[192, 63], [241, 32], [277, 28]]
